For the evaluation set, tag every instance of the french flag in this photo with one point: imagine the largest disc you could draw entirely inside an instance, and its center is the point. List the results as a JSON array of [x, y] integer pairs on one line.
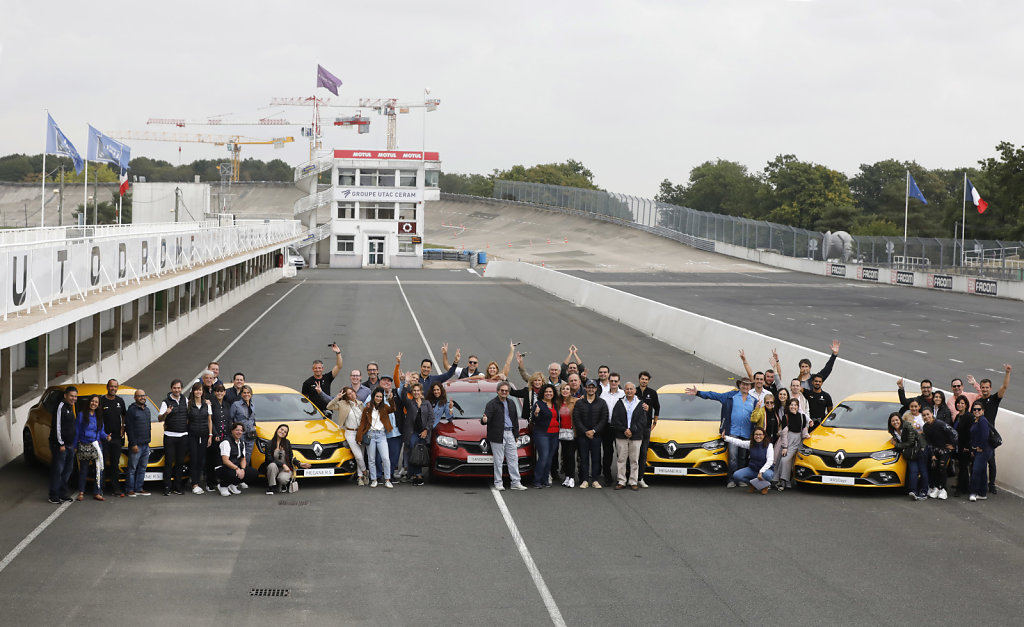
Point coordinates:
[[973, 195], [124, 183]]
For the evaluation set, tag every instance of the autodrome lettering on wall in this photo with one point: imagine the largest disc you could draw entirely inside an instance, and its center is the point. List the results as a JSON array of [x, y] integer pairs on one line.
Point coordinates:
[[387, 154], [982, 286], [902, 277], [940, 281], [837, 269], [867, 274], [366, 194]]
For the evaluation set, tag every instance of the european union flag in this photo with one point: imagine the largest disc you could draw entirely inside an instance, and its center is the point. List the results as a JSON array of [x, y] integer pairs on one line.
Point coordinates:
[[912, 189]]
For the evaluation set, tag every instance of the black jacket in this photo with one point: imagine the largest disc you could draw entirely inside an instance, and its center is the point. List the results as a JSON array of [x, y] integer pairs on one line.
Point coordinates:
[[62, 427], [113, 411], [587, 415], [650, 396], [177, 419], [494, 418], [527, 396], [198, 418], [221, 418], [137, 425], [417, 419], [636, 424]]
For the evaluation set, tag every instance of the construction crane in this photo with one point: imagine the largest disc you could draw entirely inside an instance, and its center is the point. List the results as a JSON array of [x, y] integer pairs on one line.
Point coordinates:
[[389, 107], [233, 142]]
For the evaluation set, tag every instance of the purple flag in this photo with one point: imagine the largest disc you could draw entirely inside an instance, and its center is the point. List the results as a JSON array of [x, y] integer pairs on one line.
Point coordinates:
[[328, 81]]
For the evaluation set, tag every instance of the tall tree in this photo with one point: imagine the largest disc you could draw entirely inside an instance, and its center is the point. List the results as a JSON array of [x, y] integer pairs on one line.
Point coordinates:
[[718, 186], [799, 191]]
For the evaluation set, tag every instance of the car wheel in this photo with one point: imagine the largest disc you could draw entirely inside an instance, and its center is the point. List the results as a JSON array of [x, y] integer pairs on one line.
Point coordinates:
[[30, 449]]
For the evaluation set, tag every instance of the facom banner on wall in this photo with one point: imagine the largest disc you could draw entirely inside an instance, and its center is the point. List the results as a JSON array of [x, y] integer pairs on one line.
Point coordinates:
[[49, 270], [370, 194]]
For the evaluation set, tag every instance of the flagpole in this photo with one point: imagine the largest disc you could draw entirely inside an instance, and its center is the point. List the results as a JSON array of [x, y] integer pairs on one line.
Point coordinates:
[[42, 204], [85, 193], [906, 212], [963, 224]]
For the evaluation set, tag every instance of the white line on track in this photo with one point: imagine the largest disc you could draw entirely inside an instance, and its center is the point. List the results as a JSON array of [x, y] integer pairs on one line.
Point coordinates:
[[955, 360], [888, 343], [920, 351], [538, 579], [952, 337], [32, 536], [251, 325], [984, 343]]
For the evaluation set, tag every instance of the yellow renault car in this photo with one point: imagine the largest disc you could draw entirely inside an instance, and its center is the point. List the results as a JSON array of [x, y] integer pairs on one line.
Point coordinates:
[[316, 440], [852, 446], [36, 435], [686, 442]]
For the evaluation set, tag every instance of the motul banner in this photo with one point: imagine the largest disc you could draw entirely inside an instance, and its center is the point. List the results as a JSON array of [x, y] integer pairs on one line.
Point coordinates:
[[387, 154]]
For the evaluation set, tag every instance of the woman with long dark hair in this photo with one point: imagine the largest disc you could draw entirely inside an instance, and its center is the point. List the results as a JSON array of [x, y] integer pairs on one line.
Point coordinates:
[[348, 411], [419, 416], [376, 420], [564, 404], [910, 444], [940, 408], [89, 434], [200, 430], [545, 434], [758, 472], [242, 412], [439, 401], [793, 425], [962, 422], [280, 464]]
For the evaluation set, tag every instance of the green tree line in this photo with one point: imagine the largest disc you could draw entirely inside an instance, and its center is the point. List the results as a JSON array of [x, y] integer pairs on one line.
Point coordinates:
[[29, 169]]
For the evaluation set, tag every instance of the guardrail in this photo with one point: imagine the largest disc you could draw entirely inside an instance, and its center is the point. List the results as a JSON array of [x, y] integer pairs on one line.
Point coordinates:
[[308, 203], [75, 261], [312, 168]]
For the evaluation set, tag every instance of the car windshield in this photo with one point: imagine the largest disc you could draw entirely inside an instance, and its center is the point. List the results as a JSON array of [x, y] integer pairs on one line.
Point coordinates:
[[472, 403], [677, 406], [861, 415], [127, 397], [283, 406]]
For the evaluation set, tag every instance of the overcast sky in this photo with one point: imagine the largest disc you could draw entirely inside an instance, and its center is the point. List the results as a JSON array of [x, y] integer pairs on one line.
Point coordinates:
[[638, 91]]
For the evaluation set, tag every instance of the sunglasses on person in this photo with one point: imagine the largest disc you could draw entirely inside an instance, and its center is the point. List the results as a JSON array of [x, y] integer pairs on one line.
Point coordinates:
[[977, 409]]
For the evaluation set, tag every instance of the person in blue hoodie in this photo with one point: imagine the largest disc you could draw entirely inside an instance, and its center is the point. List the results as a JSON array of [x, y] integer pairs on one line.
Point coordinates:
[[90, 436], [737, 406]]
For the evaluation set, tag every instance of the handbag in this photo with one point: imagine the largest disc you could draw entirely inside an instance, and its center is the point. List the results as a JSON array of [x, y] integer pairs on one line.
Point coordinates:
[[366, 439], [566, 435], [293, 486], [994, 439], [250, 435], [420, 455], [86, 452]]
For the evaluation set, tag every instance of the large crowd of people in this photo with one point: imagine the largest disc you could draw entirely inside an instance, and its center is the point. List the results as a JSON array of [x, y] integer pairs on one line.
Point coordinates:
[[586, 432]]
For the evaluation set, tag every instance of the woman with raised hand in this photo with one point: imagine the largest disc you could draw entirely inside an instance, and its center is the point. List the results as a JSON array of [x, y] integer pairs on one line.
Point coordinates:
[[442, 406], [280, 462], [89, 434], [200, 430], [564, 404], [348, 411], [910, 444], [545, 435], [758, 472], [376, 420]]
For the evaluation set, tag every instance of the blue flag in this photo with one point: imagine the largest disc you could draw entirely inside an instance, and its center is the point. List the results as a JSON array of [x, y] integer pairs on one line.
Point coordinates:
[[913, 190], [57, 144], [107, 150]]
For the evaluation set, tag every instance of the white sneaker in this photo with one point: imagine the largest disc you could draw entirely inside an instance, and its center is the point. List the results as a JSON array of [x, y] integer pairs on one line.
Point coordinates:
[[942, 494], [584, 485], [373, 484], [243, 485], [361, 481], [233, 489], [643, 484], [519, 486], [197, 490], [731, 484], [933, 493], [388, 484], [499, 488], [596, 485], [223, 491], [565, 484], [973, 497], [572, 482]]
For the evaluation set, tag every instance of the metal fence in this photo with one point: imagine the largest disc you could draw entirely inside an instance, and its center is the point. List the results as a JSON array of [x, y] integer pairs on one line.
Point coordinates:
[[990, 258]]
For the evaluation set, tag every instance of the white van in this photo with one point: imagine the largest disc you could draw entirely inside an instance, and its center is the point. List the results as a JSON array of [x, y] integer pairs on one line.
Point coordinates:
[[294, 258]]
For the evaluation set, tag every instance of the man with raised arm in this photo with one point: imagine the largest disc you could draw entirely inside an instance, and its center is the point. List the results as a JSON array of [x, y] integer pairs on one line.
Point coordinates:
[[322, 378], [991, 402], [741, 405], [805, 367]]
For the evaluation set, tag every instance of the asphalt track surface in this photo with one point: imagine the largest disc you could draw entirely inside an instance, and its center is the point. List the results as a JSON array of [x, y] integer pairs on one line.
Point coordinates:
[[682, 551], [914, 333]]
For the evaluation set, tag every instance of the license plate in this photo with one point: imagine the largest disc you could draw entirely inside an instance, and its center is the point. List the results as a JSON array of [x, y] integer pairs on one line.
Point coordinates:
[[480, 459], [837, 480], [680, 472], [154, 476], [318, 472]]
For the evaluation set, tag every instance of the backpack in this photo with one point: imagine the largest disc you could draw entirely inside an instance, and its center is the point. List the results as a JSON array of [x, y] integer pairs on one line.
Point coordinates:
[[994, 439]]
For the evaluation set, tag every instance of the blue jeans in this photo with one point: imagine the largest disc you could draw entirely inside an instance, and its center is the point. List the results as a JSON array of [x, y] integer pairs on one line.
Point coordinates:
[[590, 457], [83, 470], [60, 471], [378, 445], [917, 474], [137, 463], [979, 472], [394, 451], [546, 444], [738, 457], [748, 474]]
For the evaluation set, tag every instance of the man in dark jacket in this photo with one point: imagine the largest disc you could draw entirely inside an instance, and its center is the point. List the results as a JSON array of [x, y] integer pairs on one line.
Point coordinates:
[[62, 445], [628, 424], [652, 407], [112, 409], [590, 418], [502, 420], [139, 430]]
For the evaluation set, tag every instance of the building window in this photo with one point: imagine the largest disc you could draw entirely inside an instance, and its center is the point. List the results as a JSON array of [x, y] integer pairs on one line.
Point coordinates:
[[432, 177], [405, 245], [385, 178], [347, 177], [345, 245], [407, 211], [367, 178], [346, 210], [377, 211], [407, 178]]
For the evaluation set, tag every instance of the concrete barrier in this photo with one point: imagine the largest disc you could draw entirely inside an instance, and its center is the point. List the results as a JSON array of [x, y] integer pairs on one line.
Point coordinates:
[[719, 343]]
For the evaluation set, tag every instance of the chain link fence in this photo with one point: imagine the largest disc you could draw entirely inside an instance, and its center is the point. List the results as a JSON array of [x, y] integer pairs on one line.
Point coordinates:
[[988, 258]]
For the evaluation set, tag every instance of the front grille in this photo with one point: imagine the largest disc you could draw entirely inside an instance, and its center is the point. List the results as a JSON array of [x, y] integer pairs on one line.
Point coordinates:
[[829, 458], [682, 450], [474, 448], [306, 450]]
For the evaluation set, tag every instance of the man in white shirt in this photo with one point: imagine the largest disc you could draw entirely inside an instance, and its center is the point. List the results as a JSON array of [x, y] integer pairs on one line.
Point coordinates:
[[609, 396]]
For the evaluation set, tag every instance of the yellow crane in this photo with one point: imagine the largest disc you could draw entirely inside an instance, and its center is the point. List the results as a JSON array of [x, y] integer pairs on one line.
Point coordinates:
[[233, 142]]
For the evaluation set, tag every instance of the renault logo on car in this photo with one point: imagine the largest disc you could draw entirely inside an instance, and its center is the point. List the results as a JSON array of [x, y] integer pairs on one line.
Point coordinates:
[[840, 456], [483, 445], [318, 449], [671, 448]]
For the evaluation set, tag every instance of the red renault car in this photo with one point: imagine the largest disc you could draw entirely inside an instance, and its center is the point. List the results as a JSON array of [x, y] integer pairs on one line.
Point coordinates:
[[460, 448]]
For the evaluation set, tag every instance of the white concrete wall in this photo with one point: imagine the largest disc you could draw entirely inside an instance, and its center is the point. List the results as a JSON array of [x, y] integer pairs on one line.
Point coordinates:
[[154, 202], [719, 343]]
